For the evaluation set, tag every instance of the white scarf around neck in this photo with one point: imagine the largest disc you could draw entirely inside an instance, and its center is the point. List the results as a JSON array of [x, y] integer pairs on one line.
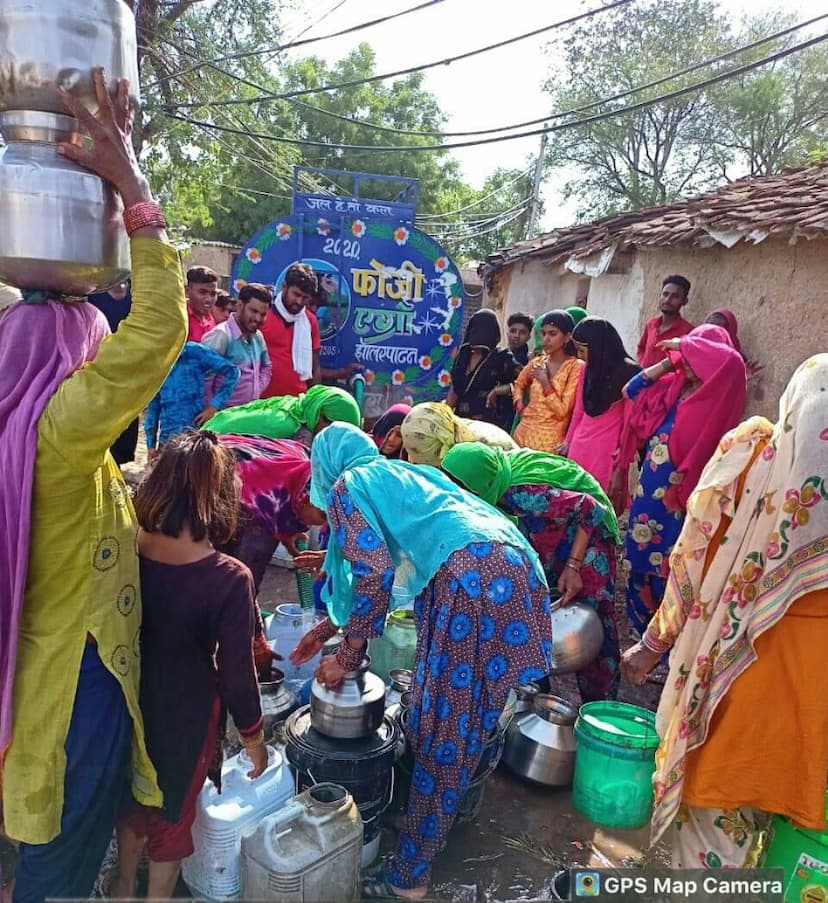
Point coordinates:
[[302, 348]]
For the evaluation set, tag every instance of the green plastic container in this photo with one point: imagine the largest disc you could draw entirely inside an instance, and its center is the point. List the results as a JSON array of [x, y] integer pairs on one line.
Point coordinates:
[[614, 764], [397, 647], [803, 856]]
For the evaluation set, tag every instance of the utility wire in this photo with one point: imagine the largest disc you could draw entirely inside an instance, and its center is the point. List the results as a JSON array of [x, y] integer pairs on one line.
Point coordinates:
[[299, 92], [263, 51], [432, 216], [599, 117], [519, 125]]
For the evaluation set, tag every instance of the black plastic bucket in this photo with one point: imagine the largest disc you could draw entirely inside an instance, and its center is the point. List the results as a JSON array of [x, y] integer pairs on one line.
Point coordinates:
[[364, 767]]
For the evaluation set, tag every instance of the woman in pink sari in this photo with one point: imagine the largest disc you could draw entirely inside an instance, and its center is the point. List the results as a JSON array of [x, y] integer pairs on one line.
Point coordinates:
[[682, 407], [595, 430]]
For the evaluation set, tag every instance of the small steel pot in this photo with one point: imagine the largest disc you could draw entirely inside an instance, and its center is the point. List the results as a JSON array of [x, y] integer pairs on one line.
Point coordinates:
[[577, 636], [352, 710]]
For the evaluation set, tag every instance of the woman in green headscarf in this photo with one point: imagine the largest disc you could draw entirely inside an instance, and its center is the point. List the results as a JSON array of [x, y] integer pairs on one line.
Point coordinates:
[[285, 416], [571, 525]]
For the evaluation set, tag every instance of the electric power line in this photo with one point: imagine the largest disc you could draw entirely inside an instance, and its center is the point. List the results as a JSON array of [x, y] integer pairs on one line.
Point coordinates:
[[432, 216], [599, 117], [299, 92], [519, 125], [264, 51]]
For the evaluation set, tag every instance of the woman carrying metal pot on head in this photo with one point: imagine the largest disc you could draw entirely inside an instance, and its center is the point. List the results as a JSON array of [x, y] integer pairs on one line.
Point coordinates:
[[482, 610], [571, 526]]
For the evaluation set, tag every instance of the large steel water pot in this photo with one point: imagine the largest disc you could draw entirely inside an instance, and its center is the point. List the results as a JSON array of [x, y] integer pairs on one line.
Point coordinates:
[[540, 744], [47, 44], [577, 636], [352, 710], [61, 226]]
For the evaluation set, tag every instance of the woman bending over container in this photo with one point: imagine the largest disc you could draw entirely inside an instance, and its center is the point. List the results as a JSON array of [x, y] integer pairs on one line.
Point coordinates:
[[432, 428], [482, 611], [289, 416], [681, 409], [196, 649], [743, 718], [572, 527], [551, 381]]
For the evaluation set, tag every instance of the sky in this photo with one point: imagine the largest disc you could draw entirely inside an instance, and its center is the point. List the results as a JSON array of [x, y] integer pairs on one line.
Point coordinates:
[[493, 89]]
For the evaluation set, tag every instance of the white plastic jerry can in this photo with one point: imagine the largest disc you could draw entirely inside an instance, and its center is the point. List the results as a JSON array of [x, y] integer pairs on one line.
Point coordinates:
[[214, 869], [308, 852]]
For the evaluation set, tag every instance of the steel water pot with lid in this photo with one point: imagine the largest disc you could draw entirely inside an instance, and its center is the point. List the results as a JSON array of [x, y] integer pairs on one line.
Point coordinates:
[[352, 710], [540, 743], [60, 224]]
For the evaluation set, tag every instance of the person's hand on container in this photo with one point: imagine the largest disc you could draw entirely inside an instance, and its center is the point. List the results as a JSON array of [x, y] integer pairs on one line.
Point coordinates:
[[110, 153], [258, 757], [570, 583], [330, 673]]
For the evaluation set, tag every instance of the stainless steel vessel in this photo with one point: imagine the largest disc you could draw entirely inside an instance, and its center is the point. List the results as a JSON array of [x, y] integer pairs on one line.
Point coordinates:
[[60, 225], [47, 44], [352, 710], [577, 636], [277, 701], [540, 744]]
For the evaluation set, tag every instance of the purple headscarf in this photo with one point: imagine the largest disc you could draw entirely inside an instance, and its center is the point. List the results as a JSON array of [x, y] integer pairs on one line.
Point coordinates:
[[40, 346]]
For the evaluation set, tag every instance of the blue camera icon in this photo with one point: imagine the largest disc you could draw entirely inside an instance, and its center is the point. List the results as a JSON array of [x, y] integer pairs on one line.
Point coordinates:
[[587, 884]]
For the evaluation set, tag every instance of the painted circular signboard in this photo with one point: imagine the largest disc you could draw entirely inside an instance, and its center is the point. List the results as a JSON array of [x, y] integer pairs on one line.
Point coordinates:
[[390, 300]]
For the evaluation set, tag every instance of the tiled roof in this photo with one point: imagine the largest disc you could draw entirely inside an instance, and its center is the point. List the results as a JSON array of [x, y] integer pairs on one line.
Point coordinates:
[[793, 204]]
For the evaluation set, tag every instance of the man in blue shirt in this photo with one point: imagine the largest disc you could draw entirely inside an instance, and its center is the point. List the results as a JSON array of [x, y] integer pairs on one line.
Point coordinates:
[[181, 402]]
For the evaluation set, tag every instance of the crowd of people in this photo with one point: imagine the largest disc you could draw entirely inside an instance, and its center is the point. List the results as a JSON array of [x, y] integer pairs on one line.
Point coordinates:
[[490, 507]]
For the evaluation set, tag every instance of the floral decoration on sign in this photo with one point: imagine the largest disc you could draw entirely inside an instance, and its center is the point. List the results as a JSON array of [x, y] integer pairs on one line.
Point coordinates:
[[254, 255]]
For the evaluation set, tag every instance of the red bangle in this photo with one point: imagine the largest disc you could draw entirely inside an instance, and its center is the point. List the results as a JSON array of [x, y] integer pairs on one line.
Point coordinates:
[[143, 214]]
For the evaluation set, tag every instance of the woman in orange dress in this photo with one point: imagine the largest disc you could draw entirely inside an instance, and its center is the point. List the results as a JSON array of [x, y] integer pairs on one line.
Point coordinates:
[[743, 718], [552, 383]]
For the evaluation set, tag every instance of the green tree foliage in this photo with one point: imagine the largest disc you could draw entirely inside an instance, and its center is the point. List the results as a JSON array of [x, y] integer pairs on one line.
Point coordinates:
[[189, 166], [757, 123], [647, 157], [776, 116]]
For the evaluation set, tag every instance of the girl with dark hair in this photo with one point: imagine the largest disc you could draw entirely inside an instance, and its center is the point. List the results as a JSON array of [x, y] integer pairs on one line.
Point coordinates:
[[551, 381], [598, 416], [483, 373], [196, 648]]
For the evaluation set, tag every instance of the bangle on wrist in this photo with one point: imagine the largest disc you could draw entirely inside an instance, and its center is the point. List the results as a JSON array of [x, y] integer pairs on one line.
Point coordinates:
[[142, 215], [573, 566]]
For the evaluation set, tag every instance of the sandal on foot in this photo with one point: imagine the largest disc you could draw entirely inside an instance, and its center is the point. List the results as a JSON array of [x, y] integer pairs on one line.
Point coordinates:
[[379, 888]]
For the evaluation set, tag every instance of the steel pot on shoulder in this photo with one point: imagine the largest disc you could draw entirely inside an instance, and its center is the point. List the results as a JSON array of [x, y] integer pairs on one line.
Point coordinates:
[[352, 710]]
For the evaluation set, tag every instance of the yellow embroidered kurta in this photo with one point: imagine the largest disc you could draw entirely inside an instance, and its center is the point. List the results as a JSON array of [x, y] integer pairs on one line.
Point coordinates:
[[545, 419], [83, 566]]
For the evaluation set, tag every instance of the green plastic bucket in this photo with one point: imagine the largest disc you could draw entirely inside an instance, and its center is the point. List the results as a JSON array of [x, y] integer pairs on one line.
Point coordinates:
[[614, 764], [802, 854]]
